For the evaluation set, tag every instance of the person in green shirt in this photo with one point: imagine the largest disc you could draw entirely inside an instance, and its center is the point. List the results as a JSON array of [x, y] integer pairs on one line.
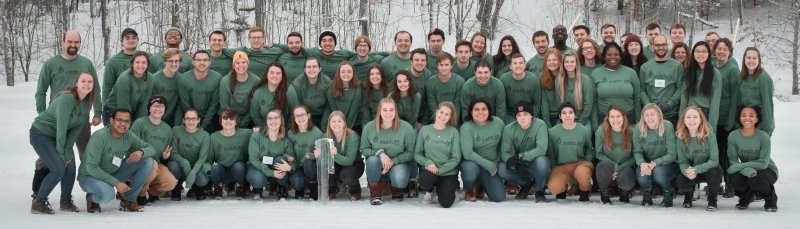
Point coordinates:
[[654, 152], [346, 95], [227, 154], [234, 89], [755, 88], [463, 65], [116, 64], [407, 97], [401, 59], [294, 61], [271, 157], [752, 170], [166, 85], [478, 47], [311, 88], [632, 53], [520, 85], [114, 156], [260, 55], [172, 38], [388, 144], [52, 135], [549, 99], [589, 56], [221, 63], [132, 87], [445, 86], [481, 135], [418, 74], [484, 86], [376, 88], [615, 85], [523, 153], [349, 165], [571, 154], [187, 161], [703, 84], [436, 41], [696, 147], [613, 148], [158, 134], [662, 80], [608, 34], [502, 60], [680, 52], [199, 89], [272, 92], [438, 152], [729, 75], [303, 134], [365, 58], [540, 43], [652, 30], [560, 37], [575, 87]]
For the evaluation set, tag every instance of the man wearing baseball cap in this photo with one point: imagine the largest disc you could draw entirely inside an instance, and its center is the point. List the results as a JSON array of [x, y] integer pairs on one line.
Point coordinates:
[[118, 63]]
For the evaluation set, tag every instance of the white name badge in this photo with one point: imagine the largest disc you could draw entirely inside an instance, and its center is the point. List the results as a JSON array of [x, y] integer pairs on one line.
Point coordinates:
[[116, 161], [267, 160], [661, 83]]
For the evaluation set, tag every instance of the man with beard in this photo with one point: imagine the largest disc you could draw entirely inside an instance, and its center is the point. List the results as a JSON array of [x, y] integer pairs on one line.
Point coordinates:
[[199, 89], [661, 80], [220, 62], [117, 64], [329, 58], [435, 44], [400, 59], [173, 39], [58, 73], [609, 33], [560, 39], [540, 43], [484, 86], [294, 62], [653, 30], [580, 32]]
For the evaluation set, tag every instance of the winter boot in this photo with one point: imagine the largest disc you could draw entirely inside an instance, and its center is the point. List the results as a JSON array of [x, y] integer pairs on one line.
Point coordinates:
[[91, 206], [647, 198], [712, 203], [355, 194], [176, 194], [299, 193], [412, 190], [687, 199], [130, 206], [40, 171], [67, 205], [41, 207], [624, 196], [523, 192], [605, 196], [397, 194], [728, 193], [238, 191], [744, 200], [142, 200], [283, 192], [667, 200], [561, 196], [216, 192], [512, 189], [540, 197], [313, 190], [771, 202], [479, 193], [258, 193], [469, 195], [374, 193], [584, 196]]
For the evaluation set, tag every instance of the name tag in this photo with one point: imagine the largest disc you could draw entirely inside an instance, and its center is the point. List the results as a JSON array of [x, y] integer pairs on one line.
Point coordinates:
[[661, 83], [267, 160], [116, 161]]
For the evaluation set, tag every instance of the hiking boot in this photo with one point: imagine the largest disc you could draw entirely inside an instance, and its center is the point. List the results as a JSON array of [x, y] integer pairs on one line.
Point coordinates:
[[412, 190], [647, 198], [216, 192], [67, 205], [142, 201], [605, 196], [624, 196], [374, 193], [728, 193], [687, 199], [744, 201], [176, 194], [130, 206], [584, 196], [572, 190], [238, 191], [355, 195], [540, 197], [667, 200], [427, 198], [91, 207], [258, 193], [41, 207], [512, 189], [397, 194], [561, 196], [469, 195], [283, 192], [523, 192]]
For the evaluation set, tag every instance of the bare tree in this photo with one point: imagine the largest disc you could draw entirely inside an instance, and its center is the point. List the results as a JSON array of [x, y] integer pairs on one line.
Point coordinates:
[[104, 27], [6, 26], [488, 11]]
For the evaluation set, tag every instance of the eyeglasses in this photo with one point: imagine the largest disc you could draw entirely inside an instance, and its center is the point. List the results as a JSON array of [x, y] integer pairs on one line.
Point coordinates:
[[191, 119], [173, 61], [122, 121], [229, 118]]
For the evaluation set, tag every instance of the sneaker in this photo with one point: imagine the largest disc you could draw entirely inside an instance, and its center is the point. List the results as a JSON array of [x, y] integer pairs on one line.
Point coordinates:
[[512, 189], [130, 206], [216, 192], [258, 193], [67, 205], [540, 197], [41, 207], [712, 206], [744, 201], [91, 207], [427, 198]]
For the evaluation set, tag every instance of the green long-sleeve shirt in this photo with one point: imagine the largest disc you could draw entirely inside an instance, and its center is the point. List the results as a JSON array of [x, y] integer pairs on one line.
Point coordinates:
[[493, 92], [351, 103], [424, 116], [583, 112], [362, 67], [729, 75], [303, 144], [258, 59], [313, 95], [648, 53], [59, 73], [293, 65], [710, 102], [620, 87], [440, 148], [347, 152], [227, 150], [103, 148], [372, 103], [586, 70], [64, 120], [481, 144], [398, 145], [190, 150], [439, 91], [536, 64], [662, 83], [329, 64], [261, 146], [115, 65], [157, 62], [501, 68], [158, 136], [524, 89], [757, 92], [654, 148], [549, 105], [238, 99], [703, 157], [392, 64], [203, 94], [222, 64], [465, 73], [616, 156], [408, 107], [131, 93], [567, 146], [749, 154], [264, 100], [168, 87], [531, 142]]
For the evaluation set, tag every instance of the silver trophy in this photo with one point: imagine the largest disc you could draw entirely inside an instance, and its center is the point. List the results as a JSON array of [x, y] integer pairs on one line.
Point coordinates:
[[324, 167]]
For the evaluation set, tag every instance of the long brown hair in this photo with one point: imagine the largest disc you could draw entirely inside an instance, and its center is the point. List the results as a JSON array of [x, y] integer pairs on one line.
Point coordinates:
[[598, 58], [412, 91], [547, 80], [379, 119], [453, 121], [279, 100], [682, 132], [578, 85], [338, 85], [384, 86], [74, 90], [309, 123], [743, 74], [608, 132]]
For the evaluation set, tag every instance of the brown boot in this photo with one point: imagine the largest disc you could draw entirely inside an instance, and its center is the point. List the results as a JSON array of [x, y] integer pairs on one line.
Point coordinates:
[[92, 207], [355, 196], [469, 195], [397, 194], [478, 191], [386, 187], [130, 206], [67, 205], [374, 193]]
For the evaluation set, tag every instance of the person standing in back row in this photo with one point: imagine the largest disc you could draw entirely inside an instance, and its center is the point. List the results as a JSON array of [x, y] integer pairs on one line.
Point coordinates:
[[662, 80]]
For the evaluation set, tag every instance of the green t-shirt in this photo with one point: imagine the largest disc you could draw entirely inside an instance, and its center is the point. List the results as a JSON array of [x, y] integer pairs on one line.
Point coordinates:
[[567, 146], [238, 99], [58, 74], [440, 148], [481, 144]]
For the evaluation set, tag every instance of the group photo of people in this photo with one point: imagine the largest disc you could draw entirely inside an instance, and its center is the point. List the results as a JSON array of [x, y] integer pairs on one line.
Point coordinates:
[[644, 119]]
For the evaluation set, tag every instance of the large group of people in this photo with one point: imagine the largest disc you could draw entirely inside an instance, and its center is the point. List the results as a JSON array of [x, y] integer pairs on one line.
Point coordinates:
[[609, 117]]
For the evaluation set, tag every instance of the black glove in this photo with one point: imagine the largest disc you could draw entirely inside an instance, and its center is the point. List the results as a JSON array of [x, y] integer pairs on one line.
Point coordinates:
[[512, 162]]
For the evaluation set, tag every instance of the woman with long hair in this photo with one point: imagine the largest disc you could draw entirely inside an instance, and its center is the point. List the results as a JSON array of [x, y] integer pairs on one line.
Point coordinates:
[[481, 135], [376, 88], [227, 155], [388, 144], [632, 55], [272, 92], [755, 88], [551, 71], [303, 134], [575, 87], [589, 56], [438, 152], [311, 88], [349, 165], [133, 87], [613, 148], [234, 89], [187, 162], [478, 47], [696, 146], [501, 61], [654, 152], [703, 84], [346, 95], [272, 158], [751, 167], [407, 97]]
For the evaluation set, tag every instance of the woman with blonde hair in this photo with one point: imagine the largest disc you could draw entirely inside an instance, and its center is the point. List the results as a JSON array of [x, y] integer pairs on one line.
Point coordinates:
[[654, 152], [438, 152], [388, 144], [698, 156], [349, 165], [575, 87], [271, 156]]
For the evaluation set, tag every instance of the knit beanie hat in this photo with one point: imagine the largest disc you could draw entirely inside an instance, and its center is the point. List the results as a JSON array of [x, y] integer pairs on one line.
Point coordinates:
[[325, 34], [173, 29], [240, 55]]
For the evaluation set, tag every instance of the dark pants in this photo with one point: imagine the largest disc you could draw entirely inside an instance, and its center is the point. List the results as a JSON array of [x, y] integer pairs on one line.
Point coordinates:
[[446, 186], [712, 177], [762, 185], [605, 170], [214, 126], [347, 175], [722, 145]]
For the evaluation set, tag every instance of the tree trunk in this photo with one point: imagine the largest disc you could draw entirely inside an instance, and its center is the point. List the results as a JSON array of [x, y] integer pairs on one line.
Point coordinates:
[[8, 58], [363, 16], [495, 17], [104, 25], [483, 14], [795, 47], [176, 18], [430, 15]]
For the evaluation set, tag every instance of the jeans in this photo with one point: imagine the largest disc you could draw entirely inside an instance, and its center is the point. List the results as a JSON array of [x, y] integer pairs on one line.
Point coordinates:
[[492, 185], [234, 173], [398, 174], [605, 170], [446, 186], [347, 175], [60, 171], [663, 175], [200, 180], [539, 173], [102, 192], [260, 180]]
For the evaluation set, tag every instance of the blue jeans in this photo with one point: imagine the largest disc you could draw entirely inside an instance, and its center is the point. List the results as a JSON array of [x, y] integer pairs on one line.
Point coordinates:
[[235, 173], [60, 171], [539, 173], [102, 192], [260, 180], [492, 185], [398, 175], [200, 180], [663, 175]]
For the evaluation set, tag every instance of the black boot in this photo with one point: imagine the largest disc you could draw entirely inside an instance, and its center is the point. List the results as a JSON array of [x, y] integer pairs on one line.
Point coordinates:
[[540, 196], [314, 190], [728, 191], [667, 200], [283, 192], [771, 202], [176, 194], [687, 199], [605, 196], [39, 173], [712, 203], [647, 198], [299, 193], [624, 196], [561, 196], [744, 200], [584, 196], [523, 192]]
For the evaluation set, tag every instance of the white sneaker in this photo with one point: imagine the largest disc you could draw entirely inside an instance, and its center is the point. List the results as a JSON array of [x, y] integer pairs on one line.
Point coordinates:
[[427, 198]]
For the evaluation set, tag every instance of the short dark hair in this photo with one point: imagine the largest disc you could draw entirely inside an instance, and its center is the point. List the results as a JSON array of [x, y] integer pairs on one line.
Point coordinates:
[[201, 52], [464, 43], [118, 111], [608, 25], [482, 64], [436, 31], [224, 38], [653, 26], [419, 51], [583, 27], [540, 33], [754, 107], [677, 26], [294, 34], [468, 116], [725, 41], [410, 37]]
